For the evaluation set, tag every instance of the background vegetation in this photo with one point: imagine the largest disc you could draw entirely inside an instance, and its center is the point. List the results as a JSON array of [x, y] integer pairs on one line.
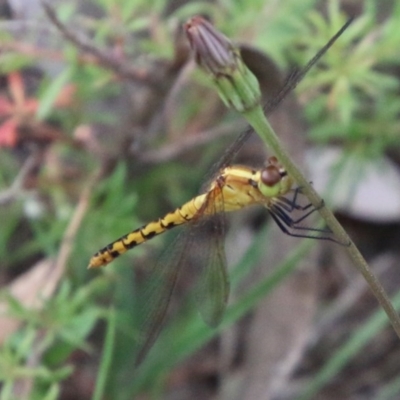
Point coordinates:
[[106, 125]]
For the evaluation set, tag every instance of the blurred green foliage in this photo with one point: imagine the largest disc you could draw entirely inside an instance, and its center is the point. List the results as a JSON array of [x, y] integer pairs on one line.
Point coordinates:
[[351, 97]]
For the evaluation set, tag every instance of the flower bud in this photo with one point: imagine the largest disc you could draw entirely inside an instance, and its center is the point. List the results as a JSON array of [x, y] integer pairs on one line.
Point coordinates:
[[219, 58]]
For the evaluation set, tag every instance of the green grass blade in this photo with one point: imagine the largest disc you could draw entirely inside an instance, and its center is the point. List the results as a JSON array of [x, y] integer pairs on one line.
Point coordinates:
[[106, 359]]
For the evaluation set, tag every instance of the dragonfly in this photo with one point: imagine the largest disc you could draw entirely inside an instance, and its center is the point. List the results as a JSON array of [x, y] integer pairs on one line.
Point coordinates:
[[233, 187]]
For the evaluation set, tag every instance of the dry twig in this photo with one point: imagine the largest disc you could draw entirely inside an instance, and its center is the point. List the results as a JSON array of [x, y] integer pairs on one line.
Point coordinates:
[[104, 58], [17, 186]]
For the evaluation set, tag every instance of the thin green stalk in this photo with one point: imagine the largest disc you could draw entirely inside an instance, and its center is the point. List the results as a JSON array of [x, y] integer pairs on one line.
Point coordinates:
[[259, 122], [239, 89]]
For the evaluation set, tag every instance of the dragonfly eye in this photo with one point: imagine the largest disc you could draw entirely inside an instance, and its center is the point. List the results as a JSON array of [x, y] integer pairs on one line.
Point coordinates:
[[270, 176]]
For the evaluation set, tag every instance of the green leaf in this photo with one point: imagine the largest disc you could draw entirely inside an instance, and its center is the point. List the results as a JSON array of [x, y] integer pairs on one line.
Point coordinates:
[[49, 96]]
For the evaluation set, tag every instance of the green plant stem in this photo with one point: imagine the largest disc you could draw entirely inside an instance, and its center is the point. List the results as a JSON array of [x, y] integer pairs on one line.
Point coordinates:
[[261, 125]]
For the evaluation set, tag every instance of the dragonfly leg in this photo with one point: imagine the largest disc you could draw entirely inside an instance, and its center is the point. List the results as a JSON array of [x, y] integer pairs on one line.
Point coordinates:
[[281, 215], [289, 205]]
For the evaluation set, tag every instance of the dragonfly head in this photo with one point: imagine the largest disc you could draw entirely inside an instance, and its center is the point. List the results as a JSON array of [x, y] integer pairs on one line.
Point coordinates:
[[274, 180]]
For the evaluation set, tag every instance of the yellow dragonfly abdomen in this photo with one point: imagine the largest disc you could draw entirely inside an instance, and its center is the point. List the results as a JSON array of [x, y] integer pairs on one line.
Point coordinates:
[[178, 217]]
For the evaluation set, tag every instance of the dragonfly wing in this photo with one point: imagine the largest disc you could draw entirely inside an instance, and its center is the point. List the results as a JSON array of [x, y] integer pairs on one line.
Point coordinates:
[[212, 289], [201, 247], [157, 293]]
